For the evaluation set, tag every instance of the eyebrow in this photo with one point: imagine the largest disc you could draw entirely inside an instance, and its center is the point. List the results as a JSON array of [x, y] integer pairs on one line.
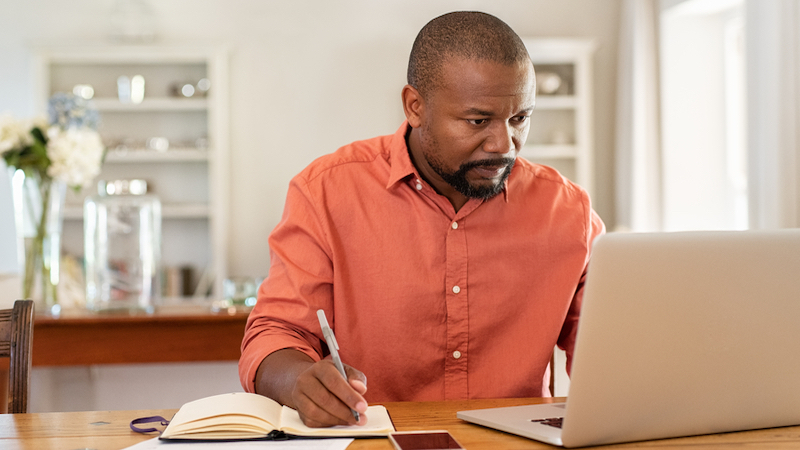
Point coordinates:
[[480, 112], [477, 112]]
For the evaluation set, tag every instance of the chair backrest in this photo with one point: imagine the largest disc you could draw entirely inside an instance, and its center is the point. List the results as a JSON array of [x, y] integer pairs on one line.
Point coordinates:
[[16, 341]]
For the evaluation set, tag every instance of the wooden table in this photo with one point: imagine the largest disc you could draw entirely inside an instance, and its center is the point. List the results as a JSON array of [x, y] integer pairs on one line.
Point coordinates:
[[104, 430], [183, 333]]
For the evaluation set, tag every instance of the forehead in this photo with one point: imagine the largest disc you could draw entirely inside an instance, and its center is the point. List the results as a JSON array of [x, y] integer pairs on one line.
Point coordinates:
[[470, 81]]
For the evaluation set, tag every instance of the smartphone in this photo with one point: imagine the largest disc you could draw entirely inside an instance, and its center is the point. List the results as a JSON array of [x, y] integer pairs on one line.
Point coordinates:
[[424, 440]]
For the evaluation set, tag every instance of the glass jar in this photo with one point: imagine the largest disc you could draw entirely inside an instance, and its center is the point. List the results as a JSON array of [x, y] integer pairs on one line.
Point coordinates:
[[122, 239]]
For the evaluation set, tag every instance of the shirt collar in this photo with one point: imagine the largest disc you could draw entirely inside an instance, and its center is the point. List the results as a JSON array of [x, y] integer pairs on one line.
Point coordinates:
[[401, 165], [399, 159]]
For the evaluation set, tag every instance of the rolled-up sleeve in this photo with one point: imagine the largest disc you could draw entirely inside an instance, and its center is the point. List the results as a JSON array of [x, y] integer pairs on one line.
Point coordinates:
[[299, 283]]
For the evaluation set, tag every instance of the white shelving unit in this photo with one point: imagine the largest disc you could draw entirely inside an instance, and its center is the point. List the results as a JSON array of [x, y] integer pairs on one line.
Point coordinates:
[[191, 176], [561, 133]]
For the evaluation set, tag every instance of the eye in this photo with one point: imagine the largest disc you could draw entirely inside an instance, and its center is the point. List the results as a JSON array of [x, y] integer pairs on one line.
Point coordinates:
[[521, 118], [477, 121]]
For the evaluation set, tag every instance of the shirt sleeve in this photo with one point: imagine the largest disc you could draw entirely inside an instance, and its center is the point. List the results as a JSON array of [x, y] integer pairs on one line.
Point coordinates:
[[299, 283], [566, 339]]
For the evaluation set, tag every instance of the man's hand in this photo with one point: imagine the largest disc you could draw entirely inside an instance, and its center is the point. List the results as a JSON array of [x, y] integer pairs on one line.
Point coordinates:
[[316, 390], [323, 397]]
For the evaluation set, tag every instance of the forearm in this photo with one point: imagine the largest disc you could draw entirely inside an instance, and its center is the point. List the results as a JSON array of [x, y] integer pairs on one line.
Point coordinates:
[[278, 372]]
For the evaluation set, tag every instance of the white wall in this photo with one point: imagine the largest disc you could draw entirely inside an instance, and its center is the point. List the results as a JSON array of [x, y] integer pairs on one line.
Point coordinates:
[[8, 243], [307, 76], [123, 387]]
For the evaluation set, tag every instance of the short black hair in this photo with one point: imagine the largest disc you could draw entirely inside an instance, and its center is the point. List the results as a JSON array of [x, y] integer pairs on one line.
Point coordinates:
[[463, 34]]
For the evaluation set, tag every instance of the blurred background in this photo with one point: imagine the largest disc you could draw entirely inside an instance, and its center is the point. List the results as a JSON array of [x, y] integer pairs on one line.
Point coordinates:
[[691, 109]]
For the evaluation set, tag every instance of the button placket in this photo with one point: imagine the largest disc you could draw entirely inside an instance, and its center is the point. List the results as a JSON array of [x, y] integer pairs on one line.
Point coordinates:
[[457, 305]]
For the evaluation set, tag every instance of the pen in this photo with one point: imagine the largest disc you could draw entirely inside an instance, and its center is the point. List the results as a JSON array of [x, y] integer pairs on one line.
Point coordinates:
[[333, 346]]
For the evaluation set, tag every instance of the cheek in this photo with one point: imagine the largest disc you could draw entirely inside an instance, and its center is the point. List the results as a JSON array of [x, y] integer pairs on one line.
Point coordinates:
[[454, 151], [450, 142], [522, 136]]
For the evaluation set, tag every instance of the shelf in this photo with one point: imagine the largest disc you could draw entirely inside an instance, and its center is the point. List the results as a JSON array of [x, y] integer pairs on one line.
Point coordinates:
[[556, 102], [169, 211], [561, 130], [190, 177], [139, 155], [548, 151], [151, 104]]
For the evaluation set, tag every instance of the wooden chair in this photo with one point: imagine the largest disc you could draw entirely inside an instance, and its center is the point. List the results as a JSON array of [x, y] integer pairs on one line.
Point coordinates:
[[16, 341]]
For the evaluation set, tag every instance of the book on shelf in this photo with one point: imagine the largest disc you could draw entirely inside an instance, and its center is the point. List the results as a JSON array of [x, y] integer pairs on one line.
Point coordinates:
[[241, 415]]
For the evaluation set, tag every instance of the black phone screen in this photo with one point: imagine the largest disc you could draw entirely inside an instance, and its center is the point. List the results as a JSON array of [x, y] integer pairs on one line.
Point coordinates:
[[425, 441]]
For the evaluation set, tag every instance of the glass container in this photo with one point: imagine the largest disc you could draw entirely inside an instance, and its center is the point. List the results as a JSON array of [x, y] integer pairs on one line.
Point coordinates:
[[122, 238]]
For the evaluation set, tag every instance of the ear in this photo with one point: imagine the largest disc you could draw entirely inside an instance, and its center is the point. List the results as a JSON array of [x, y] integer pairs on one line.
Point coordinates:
[[413, 106]]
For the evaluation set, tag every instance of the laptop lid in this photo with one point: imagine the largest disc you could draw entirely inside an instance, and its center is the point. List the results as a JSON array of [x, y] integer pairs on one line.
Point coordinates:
[[685, 334]]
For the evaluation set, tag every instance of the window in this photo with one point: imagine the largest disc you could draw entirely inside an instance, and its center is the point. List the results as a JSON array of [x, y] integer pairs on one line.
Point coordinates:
[[703, 115]]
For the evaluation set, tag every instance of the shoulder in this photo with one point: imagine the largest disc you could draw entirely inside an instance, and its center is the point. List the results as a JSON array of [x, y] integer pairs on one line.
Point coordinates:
[[543, 189], [354, 156], [544, 179]]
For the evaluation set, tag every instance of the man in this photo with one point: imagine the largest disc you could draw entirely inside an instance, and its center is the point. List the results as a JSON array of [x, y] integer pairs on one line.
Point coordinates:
[[448, 267]]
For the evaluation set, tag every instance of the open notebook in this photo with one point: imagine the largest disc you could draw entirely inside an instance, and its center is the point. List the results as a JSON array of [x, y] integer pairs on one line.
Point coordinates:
[[242, 415], [680, 334]]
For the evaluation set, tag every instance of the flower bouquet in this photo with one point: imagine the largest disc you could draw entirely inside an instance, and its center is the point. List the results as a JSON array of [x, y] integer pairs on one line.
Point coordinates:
[[45, 156]]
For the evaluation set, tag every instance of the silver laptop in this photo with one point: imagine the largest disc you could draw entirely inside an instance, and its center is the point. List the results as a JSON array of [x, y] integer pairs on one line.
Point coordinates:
[[681, 334]]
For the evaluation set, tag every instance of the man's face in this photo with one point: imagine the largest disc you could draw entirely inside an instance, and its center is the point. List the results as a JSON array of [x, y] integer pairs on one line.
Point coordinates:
[[473, 126]]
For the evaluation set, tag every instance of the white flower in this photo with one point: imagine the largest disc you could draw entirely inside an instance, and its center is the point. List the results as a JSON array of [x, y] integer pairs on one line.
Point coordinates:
[[13, 133], [75, 155], [39, 122]]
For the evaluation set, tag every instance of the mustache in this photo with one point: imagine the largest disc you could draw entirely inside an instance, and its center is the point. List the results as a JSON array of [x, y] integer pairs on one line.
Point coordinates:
[[486, 163]]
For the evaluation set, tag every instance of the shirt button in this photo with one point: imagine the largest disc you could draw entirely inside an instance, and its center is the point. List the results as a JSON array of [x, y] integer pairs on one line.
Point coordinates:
[[419, 185], [454, 225], [456, 289], [456, 354]]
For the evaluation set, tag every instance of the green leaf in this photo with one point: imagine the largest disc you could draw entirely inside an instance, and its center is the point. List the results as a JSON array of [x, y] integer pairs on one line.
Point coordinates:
[[40, 150], [11, 158], [38, 135]]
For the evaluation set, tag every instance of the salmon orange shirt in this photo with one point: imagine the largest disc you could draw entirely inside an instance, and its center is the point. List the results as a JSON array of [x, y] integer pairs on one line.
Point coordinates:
[[429, 303]]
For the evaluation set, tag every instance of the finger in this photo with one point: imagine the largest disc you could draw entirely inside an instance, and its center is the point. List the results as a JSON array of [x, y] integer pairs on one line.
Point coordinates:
[[316, 415], [316, 395], [357, 379], [313, 415], [333, 381], [359, 386]]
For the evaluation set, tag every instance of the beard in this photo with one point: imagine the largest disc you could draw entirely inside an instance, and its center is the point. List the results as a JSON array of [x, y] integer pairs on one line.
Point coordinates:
[[458, 179]]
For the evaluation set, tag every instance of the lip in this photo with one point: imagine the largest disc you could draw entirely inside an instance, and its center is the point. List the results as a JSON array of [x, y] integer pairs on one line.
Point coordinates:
[[489, 171]]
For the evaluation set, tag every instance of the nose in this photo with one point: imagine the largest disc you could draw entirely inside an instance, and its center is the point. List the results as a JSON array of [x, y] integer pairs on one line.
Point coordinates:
[[501, 139]]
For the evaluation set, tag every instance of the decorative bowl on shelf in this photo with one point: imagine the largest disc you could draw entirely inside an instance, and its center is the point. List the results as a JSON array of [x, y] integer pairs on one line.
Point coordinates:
[[547, 83]]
